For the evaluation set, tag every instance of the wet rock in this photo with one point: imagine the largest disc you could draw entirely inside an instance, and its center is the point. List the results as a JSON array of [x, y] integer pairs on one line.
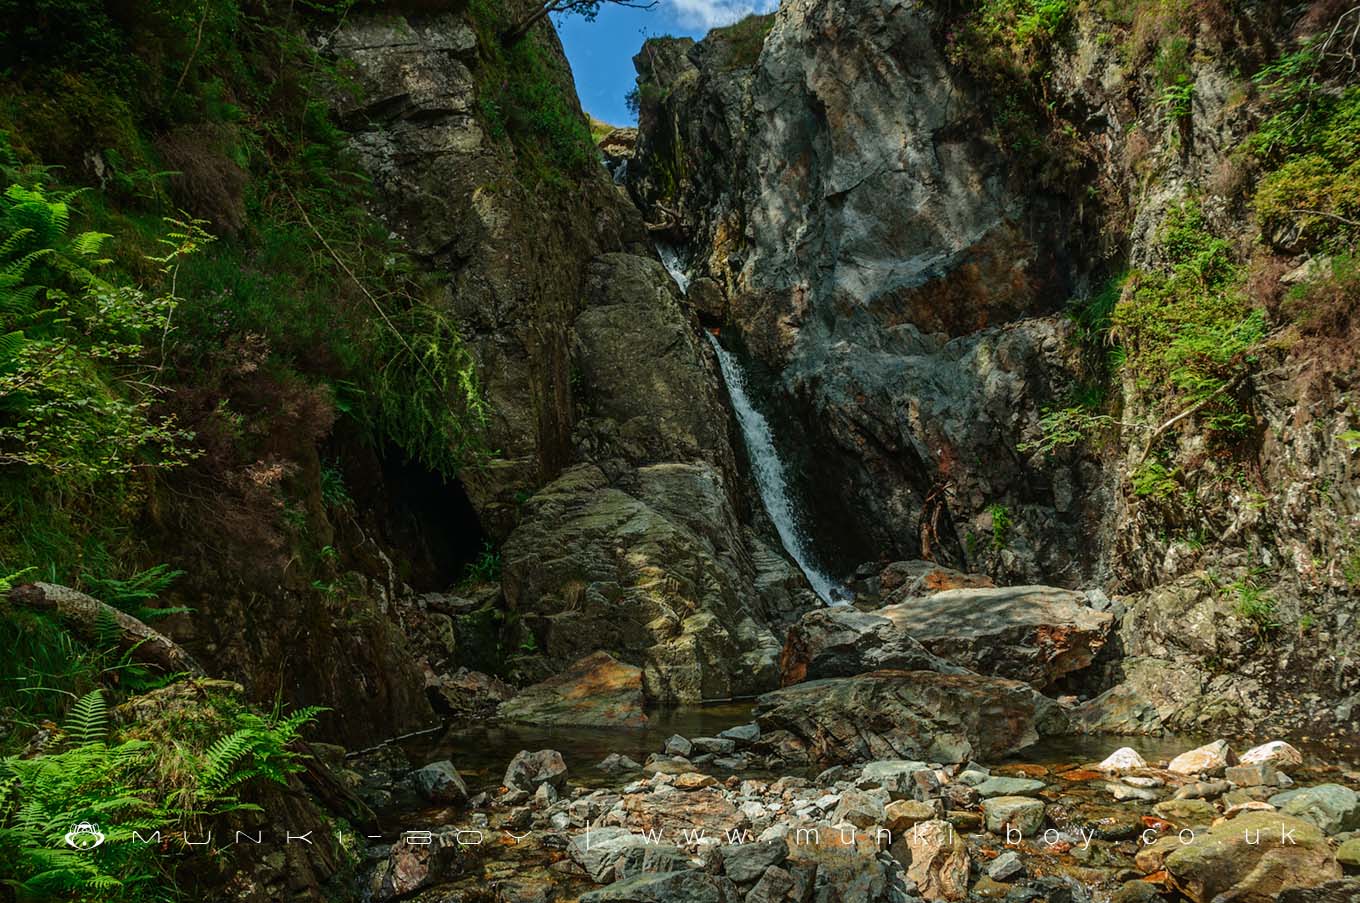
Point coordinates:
[[1123, 759], [1136, 892], [412, 866], [844, 642], [893, 775], [677, 745], [1126, 793], [1005, 867], [617, 763], [708, 299], [688, 886], [528, 770], [939, 861], [1034, 633], [901, 815], [1187, 812], [439, 782], [860, 808], [1276, 752], [717, 746], [1002, 786], [1018, 812], [1210, 759], [906, 714], [741, 734], [1331, 807], [1251, 858], [1202, 790], [1260, 775], [596, 691], [674, 765]]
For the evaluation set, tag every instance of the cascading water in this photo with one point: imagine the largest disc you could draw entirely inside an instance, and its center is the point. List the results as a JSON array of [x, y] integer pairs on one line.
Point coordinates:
[[769, 470]]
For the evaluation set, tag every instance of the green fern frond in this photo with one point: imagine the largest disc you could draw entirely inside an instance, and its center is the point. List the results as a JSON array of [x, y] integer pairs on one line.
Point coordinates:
[[87, 722]]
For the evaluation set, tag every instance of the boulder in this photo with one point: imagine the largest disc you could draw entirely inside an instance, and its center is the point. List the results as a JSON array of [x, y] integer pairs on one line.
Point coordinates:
[[1276, 752], [1249, 859], [901, 815], [844, 642], [1034, 633], [742, 734], [1331, 807], [1348, 854], [527, 771], [598, 850], [1003, 786], [440, 782], [596, 691], [939, 861], [1210, 759], [412, 866], [1021, 813], [860, 808], [908, 715], [893, 775], [1261, 775], [745, 862], [1122, 759]]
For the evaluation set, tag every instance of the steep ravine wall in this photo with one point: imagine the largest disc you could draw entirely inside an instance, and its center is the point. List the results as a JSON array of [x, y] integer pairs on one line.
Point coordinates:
[[938, 240]]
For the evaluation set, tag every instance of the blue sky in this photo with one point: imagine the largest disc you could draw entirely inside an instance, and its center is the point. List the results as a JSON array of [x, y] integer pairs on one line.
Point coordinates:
[[601, 52]]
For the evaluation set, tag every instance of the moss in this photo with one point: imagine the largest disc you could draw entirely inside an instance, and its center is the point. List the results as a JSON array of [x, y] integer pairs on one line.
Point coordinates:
[[742, 41]]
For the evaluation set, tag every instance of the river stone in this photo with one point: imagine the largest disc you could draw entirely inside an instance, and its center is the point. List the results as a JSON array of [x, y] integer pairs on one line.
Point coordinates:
[[901, 714], [1276, 752], [527, 770], [687, 886], [1211, 759], [412, 866], [1005, 867], [1000, 786], [1224, 860], [650, 859], [677, 745], [439, 782], [596, 691], [1330, 807], [1348, 854], [939, 861], [1260, 775], [745, 862], [717, 746], [861, 808], [893, 775], [741, 734], [1347, 891], [1034, 633], [1020, 812], [617, 763], [597, 850], [1122, 759], [900, 815], [842, 641], [1187, 812]]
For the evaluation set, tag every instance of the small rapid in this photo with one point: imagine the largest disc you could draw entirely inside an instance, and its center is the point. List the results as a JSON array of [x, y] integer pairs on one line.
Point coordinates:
[[767, 467]]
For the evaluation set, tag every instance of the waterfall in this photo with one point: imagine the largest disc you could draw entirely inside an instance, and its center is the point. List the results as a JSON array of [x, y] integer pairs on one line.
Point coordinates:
[[770, 471]]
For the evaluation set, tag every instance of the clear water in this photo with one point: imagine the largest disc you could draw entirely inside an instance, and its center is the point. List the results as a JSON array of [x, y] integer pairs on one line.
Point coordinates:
[[768, 469]]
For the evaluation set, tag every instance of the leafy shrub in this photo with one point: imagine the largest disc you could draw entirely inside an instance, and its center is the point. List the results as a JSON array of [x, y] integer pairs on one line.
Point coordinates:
[[742, 41]]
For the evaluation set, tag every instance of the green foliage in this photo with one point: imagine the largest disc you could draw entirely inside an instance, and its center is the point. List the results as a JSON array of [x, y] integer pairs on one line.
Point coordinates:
[[1152, 480], [117, 785], [73, 389], [1001, 525], [1189, 332], [1256, 607], [525, 97], [334, 494], [1177, 100], [486, 568], [258, 748], [132, 594], [742, 41], [1064, 427]]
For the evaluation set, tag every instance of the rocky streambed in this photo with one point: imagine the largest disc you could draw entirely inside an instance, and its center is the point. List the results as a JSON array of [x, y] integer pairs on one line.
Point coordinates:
[[712, 818]]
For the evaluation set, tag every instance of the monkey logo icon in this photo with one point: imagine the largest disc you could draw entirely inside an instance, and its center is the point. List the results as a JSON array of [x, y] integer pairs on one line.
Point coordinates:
[[84, 836]]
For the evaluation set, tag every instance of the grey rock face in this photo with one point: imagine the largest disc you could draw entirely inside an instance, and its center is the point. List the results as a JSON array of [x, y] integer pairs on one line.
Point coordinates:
[[843, 642], [908, 714]]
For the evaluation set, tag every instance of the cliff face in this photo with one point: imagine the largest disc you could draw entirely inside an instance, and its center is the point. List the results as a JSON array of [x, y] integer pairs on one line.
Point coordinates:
[[613, 480], [886, 256], [1026, 292]]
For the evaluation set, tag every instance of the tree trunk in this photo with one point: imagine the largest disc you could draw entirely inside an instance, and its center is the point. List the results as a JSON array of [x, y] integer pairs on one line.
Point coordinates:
[[87, 617]]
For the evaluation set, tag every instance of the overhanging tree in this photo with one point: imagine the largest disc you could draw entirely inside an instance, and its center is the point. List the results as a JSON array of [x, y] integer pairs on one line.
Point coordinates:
[[586, 9]]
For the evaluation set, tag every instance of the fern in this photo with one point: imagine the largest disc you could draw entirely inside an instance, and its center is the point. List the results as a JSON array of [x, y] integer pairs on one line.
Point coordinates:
[[87, 722]]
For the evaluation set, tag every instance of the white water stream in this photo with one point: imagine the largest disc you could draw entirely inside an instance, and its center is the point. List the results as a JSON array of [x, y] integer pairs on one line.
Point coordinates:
[[768, 469]]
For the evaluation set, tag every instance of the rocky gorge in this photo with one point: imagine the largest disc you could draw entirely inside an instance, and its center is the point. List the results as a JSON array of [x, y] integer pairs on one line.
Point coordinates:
[[940, 415]]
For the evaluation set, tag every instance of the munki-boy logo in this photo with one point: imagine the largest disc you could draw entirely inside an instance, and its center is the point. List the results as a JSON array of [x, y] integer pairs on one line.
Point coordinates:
[[84, 836]]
